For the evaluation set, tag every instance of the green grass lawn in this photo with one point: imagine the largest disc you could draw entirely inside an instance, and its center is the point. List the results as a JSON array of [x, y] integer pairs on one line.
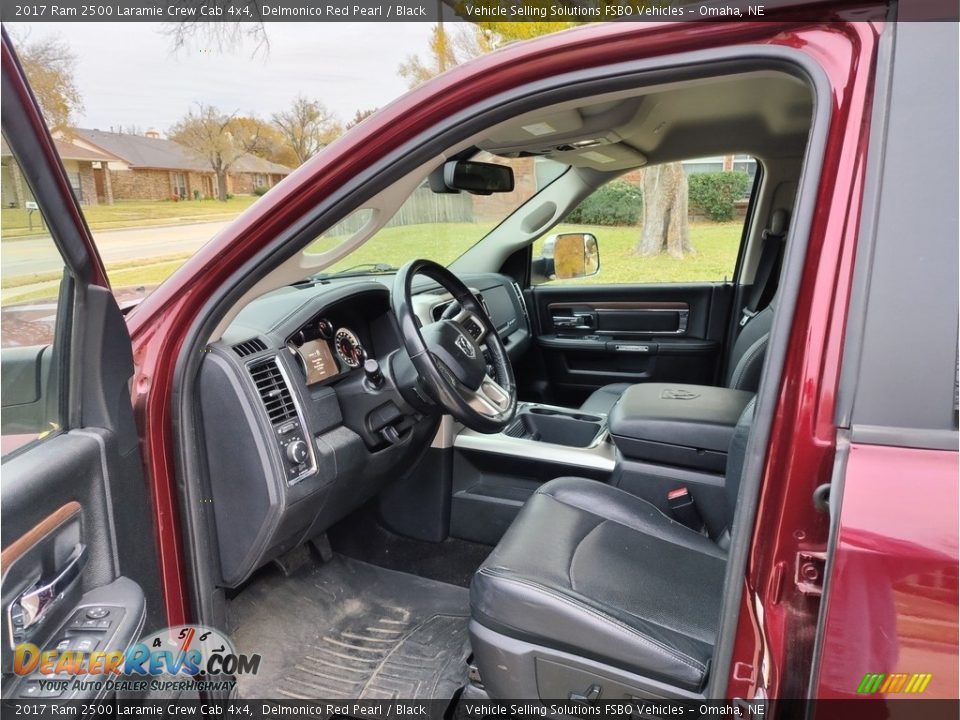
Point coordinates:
[[131, 213], [442, 242], [715, 246], [715, 254]]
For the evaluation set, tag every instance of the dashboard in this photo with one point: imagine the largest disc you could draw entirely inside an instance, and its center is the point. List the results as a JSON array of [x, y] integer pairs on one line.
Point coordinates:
[[300, 427]]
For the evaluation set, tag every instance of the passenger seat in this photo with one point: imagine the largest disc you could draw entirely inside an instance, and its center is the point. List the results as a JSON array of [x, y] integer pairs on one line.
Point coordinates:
[[593, 585], [749, 350]]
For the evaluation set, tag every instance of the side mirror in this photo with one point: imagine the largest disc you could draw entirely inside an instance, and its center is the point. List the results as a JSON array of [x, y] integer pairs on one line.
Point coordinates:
[[575, 255]]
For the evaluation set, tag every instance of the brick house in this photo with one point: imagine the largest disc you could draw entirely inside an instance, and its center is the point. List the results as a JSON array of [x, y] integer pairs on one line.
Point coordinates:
[[148, 167], [81, 164]]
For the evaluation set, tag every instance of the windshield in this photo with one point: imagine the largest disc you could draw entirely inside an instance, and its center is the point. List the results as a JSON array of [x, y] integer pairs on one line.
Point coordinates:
[[435, 226]]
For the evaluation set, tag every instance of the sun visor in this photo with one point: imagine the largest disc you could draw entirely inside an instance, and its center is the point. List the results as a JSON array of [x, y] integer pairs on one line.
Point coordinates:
[[540, 131], [605, 158]]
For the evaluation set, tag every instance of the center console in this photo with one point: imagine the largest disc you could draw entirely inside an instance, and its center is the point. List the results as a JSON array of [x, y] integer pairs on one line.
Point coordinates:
[[673, 436], [558, 426], [686, 426], [659, 437], [493, 475]]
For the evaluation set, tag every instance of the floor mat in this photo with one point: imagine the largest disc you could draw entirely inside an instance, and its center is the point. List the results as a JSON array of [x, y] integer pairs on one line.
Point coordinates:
[[452, 561], [347, 629]]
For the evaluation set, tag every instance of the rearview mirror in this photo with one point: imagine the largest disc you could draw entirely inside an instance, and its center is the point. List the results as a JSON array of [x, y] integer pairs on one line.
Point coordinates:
[[575, 255], [477, 178]]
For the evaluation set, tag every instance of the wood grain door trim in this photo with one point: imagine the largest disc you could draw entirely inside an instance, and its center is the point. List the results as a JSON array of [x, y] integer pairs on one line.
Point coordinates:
[[613, 305], [38, 532]]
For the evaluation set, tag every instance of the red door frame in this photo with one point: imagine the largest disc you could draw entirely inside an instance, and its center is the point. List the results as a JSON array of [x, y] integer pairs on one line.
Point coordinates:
[[774, 644]]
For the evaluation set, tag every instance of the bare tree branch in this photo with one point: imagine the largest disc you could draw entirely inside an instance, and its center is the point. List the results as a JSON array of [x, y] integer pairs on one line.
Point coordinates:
[[226, 36], [308, 126]]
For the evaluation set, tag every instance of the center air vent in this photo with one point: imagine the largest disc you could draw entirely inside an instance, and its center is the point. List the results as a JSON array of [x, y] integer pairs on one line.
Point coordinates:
[[273, 391], [249, 347]]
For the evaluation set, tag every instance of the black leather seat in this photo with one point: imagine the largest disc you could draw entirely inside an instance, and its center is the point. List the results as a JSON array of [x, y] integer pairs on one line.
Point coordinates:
[[593, 571]]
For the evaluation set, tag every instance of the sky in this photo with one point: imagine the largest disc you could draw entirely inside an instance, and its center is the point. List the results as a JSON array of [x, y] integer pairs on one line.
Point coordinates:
[[129, 74]]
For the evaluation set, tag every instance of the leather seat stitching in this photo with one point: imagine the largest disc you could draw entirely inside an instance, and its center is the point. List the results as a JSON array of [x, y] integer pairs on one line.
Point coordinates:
[[673, 523], [673, 653]]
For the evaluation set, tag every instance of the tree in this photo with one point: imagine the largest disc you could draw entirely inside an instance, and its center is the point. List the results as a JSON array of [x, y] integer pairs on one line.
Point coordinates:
[[665, 226], [272, 145], [308, 127], [218, 138], [359, 116], [440, 57], [49, 64]]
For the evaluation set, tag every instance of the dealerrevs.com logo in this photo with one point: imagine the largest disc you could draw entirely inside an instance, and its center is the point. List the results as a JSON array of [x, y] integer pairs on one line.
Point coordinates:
[[184, 655]]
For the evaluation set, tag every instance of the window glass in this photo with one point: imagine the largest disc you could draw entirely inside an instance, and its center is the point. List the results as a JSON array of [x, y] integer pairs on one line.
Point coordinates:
[[640, 244], [180, 185], [439, 227], [31, 273]]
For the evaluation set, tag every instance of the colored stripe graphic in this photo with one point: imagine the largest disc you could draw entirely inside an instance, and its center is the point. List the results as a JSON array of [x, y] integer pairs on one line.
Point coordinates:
[[914, 683], [918, 683], [870, 683]]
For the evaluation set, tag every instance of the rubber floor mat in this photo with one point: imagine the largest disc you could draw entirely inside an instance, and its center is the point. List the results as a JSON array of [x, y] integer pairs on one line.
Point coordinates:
[[347, 629]]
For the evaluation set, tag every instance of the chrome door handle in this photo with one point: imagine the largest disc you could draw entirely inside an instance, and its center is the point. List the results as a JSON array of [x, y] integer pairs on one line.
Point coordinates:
[[584, 321], [34, 603]]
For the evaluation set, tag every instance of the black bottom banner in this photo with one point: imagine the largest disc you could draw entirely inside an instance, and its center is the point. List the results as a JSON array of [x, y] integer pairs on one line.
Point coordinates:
[[865, 709]]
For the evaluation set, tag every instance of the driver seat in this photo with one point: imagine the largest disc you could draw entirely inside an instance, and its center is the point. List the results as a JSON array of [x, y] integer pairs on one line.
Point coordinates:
[[594, 588]]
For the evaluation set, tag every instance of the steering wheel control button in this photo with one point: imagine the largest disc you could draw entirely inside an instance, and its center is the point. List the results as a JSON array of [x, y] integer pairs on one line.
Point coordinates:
[[98, 612]]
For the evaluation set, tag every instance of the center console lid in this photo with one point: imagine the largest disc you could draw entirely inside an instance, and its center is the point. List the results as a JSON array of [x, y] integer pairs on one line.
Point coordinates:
[[676, 424]]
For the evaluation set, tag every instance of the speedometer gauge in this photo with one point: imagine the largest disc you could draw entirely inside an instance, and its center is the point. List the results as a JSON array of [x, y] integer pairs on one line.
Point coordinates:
[[348, 347]]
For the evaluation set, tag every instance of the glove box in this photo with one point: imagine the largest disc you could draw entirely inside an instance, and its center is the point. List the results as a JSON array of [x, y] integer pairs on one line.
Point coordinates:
[[671, 424]]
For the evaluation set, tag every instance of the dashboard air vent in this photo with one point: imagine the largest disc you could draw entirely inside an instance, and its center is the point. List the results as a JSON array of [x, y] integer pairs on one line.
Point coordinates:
[[249, 347], [273, 391]]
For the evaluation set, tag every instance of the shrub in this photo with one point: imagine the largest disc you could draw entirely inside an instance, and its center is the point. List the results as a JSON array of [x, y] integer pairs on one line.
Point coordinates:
[[616, 203], [260, 190], [714, 194]]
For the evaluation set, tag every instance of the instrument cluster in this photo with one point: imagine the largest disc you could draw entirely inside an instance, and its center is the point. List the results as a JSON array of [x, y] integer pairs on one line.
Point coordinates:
[[326, 351]]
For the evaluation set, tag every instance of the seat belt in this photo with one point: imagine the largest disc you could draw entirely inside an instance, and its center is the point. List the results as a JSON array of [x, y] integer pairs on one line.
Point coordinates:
[[685, 512], [767, 277]]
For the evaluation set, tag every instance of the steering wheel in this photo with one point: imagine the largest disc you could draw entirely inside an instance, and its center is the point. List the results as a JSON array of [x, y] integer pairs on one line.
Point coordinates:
[[447, 353]]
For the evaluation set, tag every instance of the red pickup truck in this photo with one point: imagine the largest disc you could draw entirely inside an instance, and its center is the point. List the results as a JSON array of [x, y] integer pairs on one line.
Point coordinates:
[[739, 487]]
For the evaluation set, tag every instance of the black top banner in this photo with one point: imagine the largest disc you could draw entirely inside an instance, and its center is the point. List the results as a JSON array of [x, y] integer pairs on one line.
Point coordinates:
[[559, 11]]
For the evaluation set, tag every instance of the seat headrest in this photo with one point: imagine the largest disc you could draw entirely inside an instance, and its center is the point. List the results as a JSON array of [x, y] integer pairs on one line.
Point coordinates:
[[779, 222]]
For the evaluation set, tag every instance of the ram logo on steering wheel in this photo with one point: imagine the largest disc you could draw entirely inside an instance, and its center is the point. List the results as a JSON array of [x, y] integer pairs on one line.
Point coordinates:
[[464, 344]]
